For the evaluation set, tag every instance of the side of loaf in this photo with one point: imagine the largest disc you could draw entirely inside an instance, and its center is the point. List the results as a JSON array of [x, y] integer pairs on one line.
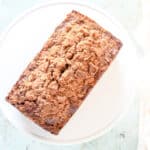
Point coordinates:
[[56, 82]]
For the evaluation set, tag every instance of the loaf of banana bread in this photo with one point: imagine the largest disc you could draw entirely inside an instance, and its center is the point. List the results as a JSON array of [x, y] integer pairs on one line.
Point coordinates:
[[56, 82]]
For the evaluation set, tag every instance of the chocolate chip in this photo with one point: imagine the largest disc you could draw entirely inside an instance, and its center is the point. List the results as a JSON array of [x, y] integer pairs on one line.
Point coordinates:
[[72, 109], [32, 66], [50, 121], [29, 106]]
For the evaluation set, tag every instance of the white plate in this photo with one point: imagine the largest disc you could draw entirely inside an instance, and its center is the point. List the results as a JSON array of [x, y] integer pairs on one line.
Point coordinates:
[[111, 96]]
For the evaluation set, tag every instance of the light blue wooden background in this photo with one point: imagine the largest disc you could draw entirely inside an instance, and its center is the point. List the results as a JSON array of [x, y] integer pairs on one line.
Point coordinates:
[[124, 136]]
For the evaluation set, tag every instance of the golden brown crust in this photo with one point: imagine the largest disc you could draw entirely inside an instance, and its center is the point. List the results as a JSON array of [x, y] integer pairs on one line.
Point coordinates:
[[55, 83]]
